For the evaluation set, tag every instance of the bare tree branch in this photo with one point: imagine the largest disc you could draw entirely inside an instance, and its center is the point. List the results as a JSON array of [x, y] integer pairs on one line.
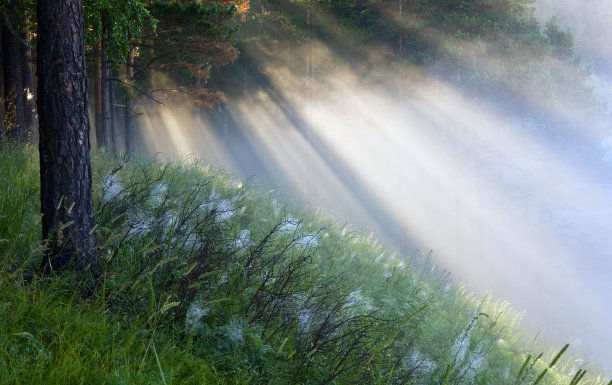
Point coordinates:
[[177, 89], [149, 64], [136, 88], [147, 102]]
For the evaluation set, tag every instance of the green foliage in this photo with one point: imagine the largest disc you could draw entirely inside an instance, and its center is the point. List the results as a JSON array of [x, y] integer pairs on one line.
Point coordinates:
[[19, 204], [127, 20], [561, 42], [495, 50], [209, 280], [182, 39], [18, 15], [209, 17], [191, 37]]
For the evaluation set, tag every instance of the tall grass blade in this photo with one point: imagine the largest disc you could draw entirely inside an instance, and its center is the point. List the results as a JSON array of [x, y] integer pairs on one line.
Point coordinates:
[[578, 377], [446, 375], [553, 362], [522, 371], [161, 372]]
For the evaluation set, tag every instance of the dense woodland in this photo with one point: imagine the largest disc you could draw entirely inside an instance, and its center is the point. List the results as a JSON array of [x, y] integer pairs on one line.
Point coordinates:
[[212, 51], [174, 273]]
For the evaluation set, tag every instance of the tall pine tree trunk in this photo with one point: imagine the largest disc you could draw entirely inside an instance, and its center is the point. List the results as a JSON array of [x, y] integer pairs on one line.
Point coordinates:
[[105, 90], [97, 79], [113, 122], [29, 92], [130, 134], [65, 169], [14, 98]]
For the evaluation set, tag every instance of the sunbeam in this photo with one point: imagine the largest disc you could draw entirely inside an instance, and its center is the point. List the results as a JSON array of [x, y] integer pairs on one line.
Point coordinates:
[[506, 205]]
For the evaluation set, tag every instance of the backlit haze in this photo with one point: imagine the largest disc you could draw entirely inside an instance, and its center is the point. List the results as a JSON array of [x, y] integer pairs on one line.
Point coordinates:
[[507, 207]]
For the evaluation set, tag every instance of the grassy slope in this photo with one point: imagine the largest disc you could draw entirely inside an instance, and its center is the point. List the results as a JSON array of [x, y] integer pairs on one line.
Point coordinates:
[[209, 281]]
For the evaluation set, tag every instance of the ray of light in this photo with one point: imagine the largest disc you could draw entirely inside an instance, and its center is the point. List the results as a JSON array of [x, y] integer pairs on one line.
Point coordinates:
[[504, 209]]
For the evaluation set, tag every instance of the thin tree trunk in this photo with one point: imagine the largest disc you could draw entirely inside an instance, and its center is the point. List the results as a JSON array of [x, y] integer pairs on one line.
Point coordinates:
[[129, 105], [14, 98], [112, 126], [65, 169], [97, 79], [111, 102], [130, 134], [29, 92], [105, 90]]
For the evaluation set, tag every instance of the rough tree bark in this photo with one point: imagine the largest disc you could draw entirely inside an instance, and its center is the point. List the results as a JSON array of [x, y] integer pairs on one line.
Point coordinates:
[[65, 169]]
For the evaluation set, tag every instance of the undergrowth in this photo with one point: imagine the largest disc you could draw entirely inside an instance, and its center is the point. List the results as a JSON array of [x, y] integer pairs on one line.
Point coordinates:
[[207, 280]]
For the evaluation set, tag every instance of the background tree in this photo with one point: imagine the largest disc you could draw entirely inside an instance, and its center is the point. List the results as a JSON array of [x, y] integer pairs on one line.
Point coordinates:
[[28, 83], [183, 39], [65, 169], [13, 66], [188, 40], [113, 26], [17, 22]]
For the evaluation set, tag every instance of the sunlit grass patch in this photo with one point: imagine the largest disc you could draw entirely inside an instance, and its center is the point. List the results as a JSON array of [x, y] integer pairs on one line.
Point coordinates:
[[208, 280]]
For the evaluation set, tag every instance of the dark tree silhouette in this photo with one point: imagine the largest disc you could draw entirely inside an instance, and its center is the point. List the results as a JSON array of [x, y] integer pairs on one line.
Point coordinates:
[[13, 54], [65, 168]]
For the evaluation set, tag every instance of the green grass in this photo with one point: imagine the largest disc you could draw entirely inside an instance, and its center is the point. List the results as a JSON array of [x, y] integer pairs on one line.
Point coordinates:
[[207, 280]]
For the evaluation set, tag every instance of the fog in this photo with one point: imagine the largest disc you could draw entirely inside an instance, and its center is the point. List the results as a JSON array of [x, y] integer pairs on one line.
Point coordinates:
[[506, 205], [589, 21]]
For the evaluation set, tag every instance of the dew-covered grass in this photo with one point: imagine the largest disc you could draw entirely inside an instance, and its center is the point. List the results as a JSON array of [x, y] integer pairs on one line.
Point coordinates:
[[209, 280]]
